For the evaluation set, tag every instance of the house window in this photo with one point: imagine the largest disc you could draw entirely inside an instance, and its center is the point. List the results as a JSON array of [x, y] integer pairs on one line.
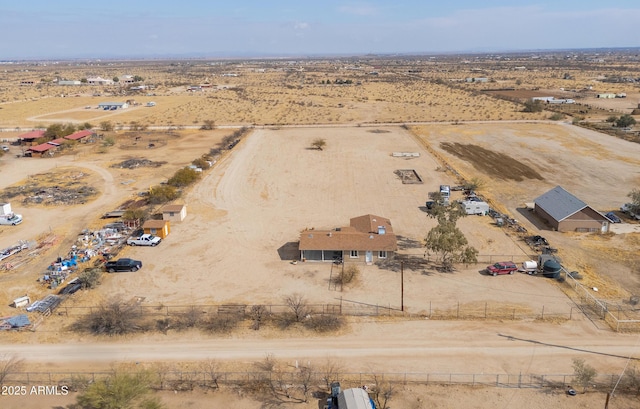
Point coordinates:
[[382, 254], [153, 231], [354, 254], [171, 214]]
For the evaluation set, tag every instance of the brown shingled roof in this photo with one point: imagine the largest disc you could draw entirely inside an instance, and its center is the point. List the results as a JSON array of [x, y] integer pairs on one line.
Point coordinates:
[[362, 235]]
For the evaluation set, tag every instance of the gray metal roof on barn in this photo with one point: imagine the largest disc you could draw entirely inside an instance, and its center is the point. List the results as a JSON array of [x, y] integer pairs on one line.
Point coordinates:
[[559, 203], [18, 321]]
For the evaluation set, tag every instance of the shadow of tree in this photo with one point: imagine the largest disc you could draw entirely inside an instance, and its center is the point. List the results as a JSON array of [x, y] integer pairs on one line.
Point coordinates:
[[408, 243]]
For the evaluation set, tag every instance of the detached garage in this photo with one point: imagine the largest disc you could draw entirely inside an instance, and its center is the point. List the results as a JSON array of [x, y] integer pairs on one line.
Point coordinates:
[[564, 212]]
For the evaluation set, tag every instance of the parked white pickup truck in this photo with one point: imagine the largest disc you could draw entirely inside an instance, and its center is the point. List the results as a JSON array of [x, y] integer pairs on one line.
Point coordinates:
[[144, 240], [11, 219]]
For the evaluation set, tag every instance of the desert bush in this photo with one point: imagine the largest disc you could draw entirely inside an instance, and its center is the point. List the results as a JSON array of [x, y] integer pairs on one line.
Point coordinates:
[[106, 126], [533, 106], [324, 323], [90, 277], [112, 318], [319, 143], [556, 117], [162, 194], [121, 390], [188, 319], [221, 323], [108, 141], [349, 275], [583, 373], [183, 177], [611, 119], [201, 163], [208, 125], [625, 121]]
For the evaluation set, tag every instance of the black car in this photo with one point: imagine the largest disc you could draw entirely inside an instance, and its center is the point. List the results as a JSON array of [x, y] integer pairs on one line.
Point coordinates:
[[123, 264]]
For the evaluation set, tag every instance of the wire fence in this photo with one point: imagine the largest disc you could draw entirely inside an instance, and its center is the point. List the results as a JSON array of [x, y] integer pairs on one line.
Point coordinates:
[[619, 318], [440, 310], [174, 380]]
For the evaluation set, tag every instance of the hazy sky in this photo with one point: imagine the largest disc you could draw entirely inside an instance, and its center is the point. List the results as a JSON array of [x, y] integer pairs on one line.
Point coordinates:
[[35, 29]]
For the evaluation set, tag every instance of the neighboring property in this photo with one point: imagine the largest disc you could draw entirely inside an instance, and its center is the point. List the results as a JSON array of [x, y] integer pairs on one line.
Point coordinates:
[[367, 238], [69, 82], [30, 137], [99, 81], [112, 106], [160, 228], [174, 212], [564, 212], [42, 149], [76, 136]]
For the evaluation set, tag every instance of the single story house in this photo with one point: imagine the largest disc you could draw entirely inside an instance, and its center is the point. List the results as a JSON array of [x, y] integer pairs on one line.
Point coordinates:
[[76, 136], [367, 238], [112, 106], [174, 212], [160, 228], [564, 212]]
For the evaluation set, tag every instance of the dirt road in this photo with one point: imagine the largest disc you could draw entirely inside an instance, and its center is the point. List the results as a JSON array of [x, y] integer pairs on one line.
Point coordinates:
[[418, 346]]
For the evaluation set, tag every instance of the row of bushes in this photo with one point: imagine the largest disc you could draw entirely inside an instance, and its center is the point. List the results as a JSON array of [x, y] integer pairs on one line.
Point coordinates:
[[118, 318]]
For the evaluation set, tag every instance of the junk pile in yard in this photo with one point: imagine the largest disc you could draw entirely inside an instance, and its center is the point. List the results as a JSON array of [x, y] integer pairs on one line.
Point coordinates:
[[103, 243], [15, 322], [11, 250]]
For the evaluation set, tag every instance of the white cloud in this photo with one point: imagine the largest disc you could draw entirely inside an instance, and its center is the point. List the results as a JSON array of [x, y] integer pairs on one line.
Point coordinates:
[[301, 26]]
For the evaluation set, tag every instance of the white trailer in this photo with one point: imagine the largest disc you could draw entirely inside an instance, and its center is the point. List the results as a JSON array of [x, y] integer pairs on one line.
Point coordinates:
[[473, 207], [354, 398]]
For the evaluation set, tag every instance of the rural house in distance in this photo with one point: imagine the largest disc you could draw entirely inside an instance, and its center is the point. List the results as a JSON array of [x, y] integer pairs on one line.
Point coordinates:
[[367, 238]]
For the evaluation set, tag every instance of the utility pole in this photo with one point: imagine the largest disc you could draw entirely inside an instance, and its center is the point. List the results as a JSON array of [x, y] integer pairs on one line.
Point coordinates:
[[401, 285]]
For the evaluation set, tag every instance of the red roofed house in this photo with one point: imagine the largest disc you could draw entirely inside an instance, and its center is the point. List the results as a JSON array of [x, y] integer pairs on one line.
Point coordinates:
[[76, 136], [367, 238], [30, 137]]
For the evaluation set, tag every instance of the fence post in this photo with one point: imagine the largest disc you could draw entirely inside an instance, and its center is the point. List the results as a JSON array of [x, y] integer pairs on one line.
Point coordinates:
[[485, 310], [514, 314], [458, 311], [430, 309], [542, 381], [543, 312], [497, 379], [571, 314]]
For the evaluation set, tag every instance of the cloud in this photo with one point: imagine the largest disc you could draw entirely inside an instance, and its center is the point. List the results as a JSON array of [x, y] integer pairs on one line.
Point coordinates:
[[301, 26], [361, 9]]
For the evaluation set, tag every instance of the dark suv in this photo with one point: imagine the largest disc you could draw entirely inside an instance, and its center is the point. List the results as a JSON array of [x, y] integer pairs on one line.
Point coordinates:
[[503, 267], [123, 264]]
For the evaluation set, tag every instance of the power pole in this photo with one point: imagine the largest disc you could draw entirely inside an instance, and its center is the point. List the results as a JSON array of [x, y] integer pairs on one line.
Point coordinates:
[[401, 285]]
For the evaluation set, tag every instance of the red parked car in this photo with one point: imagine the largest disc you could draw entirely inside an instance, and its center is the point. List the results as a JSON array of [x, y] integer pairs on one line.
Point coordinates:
[[503, 267]]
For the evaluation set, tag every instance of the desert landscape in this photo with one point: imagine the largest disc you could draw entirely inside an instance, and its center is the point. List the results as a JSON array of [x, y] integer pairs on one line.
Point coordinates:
[[222, 285]]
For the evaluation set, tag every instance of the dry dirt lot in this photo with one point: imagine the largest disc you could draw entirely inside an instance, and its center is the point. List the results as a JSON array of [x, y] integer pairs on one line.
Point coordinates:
[[242, 215], [599, 169]]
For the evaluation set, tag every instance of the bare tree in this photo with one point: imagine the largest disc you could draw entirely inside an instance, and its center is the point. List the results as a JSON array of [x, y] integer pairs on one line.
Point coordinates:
[[330, 372], [298, 306], [382, 391], [259, 314], [9, 364], [211, 368]]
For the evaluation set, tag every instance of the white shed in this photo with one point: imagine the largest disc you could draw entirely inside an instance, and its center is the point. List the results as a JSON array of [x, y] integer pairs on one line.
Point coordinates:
[[174, 213]]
